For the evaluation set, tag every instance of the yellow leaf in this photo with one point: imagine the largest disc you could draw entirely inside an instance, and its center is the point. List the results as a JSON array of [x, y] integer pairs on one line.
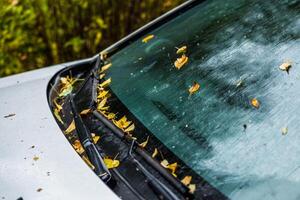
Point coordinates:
[[172, 167], [194, 88], [130, 128], [95, 138], [88, 162], [56, 114], [102, 76], [186, 180], [105, 83], [105, 67], [58, 107], [192, 188], [35, 158], [147, 38], [144, 144], [85, 112], [102, 104], [164, 163], [286, 66], [284, 130], [110, 163], [181, 50], [155, 153], [181, 61], [102, 94], [111, 115], [78, 147], [255, 103], [70, 128]]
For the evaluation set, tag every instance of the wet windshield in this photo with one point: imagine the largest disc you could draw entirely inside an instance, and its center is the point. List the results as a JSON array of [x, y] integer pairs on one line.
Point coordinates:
[[240, 129]]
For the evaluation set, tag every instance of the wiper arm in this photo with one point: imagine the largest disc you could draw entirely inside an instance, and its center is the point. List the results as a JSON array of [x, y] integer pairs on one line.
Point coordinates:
[[89, 147]]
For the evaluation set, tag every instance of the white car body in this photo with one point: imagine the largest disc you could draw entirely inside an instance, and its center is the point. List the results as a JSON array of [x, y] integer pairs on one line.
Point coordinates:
[[57, 172]]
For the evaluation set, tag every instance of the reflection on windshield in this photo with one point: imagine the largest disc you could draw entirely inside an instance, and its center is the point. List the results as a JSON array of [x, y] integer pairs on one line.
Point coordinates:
[[245, 149]]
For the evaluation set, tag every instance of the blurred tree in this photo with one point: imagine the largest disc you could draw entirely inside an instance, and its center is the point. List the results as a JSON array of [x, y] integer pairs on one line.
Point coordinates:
[[38, 33]]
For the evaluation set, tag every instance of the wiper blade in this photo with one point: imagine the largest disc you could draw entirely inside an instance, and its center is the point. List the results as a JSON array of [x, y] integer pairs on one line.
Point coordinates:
[[89, 147]]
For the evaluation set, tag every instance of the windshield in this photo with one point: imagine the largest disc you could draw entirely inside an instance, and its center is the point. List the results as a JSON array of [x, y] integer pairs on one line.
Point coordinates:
[[240, 130]]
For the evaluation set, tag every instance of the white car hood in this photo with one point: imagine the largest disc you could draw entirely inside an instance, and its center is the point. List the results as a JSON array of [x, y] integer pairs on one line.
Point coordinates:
[[32, 132]]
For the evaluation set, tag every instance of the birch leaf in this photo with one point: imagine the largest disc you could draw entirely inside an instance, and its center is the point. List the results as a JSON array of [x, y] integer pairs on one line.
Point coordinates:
[[78, 147], [144, 144], [102, 94], [88, 162], [102, 104], [180, 62], [110, 163], [186, 180], [95, 138], [56, 114], [85, 112], [147, 38], [286, 66], [111, 115], [181, 50], [155, 153], [70, 128], [58, 107], [194, 88], [164, 163], [101, 76], [105, 83], [66, 91], [130, 128], [192, 188], [284, 130], [255, 103], [172, 167], [105, 67]]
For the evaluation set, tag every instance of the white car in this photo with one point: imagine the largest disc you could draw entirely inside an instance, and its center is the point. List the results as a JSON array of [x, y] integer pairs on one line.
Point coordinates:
[[201, 103]]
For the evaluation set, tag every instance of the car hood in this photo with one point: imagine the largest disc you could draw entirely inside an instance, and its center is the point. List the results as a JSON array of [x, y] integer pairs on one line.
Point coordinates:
[[36, 160]]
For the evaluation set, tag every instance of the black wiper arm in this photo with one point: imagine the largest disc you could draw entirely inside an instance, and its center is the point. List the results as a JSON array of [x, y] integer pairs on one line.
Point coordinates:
[[88, 145]]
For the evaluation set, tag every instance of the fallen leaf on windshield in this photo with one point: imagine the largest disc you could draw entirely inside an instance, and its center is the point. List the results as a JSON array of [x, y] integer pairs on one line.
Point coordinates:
[[105, 83], [181, 61], [102, 104], [130, 128], [286, 66], [111, 163], [147, 38], [186, 180], [70, 128], [284, 130], [66, 85], [88, 162], [56, 114], [181, 50], [192, 188], [144, 144], [155, 153], [78, 147], [194, 88], [85, 112], [106, 67], [66, 91], [95, 138], [255, 103]]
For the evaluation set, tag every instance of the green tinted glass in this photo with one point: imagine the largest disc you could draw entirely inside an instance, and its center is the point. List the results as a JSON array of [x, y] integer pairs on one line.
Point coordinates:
[[246, 149]]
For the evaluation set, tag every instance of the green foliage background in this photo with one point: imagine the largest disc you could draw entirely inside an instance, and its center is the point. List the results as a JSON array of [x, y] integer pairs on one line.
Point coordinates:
[[38, 33]]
